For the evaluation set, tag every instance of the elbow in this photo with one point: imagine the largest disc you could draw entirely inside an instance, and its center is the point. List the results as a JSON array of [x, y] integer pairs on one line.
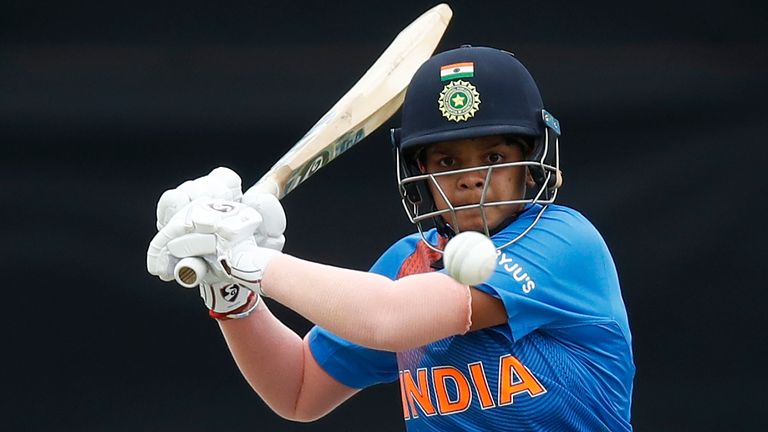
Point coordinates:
[[298, 413], [303, 410], [299, 417]]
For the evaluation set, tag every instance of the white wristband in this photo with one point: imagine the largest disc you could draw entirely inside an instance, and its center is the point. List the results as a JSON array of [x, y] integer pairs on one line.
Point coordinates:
[[244, 314]]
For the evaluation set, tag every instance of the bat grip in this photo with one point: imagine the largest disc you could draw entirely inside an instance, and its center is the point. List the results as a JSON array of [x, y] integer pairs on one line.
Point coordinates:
[[189, 272], [267, 185]]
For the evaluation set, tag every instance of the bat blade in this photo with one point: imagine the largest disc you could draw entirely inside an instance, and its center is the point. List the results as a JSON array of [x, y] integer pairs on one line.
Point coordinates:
[[366, 106]]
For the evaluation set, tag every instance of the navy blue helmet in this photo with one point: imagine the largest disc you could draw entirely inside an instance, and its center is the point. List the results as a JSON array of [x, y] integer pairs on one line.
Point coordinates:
[[473, 92]]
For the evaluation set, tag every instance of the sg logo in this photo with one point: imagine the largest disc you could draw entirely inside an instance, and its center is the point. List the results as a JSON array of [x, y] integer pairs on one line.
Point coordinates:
[[221, 207]]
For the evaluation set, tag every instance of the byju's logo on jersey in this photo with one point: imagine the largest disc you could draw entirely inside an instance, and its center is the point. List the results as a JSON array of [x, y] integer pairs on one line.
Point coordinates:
[[527, 284]]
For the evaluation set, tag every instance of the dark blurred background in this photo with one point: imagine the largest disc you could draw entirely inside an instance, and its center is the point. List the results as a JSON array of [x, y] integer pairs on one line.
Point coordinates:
[[103, 105]]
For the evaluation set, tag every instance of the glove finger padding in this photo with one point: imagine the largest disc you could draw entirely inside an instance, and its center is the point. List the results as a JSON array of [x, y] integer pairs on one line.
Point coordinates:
[[221, 183], [206, 228], [274, 243], [270, 232], [230, 221], [169, 204], [160, 262], [192, 245], [190, 233]]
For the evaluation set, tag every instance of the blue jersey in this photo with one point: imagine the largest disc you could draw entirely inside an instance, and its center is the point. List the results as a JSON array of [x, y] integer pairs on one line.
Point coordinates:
[[563, 360]]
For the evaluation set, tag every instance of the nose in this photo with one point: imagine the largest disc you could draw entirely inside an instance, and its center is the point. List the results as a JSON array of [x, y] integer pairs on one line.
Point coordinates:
[[472, 180]]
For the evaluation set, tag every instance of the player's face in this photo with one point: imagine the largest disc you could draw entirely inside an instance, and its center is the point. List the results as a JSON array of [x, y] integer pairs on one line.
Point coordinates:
[[467, 188]]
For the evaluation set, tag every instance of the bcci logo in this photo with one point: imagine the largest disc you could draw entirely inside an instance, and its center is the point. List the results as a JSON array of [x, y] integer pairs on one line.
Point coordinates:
[[459, 101]]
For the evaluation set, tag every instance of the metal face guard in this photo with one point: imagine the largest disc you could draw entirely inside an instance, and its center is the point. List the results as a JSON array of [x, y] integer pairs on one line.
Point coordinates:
[[545, 195]]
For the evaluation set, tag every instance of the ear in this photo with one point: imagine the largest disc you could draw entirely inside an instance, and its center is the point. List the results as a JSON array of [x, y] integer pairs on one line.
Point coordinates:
[[422, 167], [529, 178]]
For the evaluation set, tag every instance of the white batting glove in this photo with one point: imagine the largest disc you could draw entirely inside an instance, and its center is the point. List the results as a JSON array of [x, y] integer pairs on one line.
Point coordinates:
[[227, 300], [223, 233], [222, 183], [239, 296], [269, 234]]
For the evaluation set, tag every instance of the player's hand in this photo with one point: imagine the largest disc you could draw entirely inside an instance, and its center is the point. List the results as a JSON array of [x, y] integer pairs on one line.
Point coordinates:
[[221, 183], [203, 214], [269, 234], [223, 233]]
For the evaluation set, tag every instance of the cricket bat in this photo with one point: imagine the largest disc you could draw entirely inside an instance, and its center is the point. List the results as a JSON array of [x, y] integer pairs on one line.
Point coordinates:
[[366, 106]]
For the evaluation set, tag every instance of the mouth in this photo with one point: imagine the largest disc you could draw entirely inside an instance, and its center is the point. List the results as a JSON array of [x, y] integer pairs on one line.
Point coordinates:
[[471, 215], [470, 200], [471, 206]]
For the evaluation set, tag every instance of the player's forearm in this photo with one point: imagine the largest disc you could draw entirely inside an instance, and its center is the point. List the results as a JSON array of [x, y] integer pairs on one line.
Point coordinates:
[[369, 309], [270, 357]]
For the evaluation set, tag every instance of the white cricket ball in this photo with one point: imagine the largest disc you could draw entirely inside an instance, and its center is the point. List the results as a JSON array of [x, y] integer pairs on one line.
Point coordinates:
[[470, 258]]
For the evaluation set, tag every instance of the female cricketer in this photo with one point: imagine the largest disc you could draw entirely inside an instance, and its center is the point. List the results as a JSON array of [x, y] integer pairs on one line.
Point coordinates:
[[542, 344]]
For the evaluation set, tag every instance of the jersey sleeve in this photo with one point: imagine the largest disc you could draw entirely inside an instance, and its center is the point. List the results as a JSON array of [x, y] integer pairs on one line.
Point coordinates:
[[560, 274], [354, 365]]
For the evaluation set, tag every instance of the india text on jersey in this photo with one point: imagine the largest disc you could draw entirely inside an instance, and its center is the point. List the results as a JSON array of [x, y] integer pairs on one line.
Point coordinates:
[[429, 389]]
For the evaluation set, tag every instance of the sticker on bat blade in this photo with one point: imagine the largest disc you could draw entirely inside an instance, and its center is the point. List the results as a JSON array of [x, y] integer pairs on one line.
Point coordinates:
[[330, 115], [348, 140], [342, 144]]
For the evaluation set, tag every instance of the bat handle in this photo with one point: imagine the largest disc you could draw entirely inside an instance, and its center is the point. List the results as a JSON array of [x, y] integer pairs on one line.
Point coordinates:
[[267, 185], [189, 272]]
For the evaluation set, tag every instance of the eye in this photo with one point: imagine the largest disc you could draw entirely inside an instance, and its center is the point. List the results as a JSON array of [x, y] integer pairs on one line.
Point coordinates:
[[446, 162], [495, 158]]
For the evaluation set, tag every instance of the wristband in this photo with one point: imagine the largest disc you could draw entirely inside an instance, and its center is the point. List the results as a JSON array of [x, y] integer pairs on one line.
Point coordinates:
[[239, 313]]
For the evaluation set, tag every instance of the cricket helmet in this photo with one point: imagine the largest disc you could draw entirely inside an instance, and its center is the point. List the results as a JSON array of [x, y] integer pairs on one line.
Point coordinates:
[[473, 92]]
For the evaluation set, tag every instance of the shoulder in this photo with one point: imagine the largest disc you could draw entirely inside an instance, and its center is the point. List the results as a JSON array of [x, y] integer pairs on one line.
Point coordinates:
[[400, 249], [569, 220], [559, 230], [578, 239], [564, 256], [407, 243]]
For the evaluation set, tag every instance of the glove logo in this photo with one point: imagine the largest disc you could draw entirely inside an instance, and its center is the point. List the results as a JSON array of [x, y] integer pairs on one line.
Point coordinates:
[[230, 292], [221, 207]]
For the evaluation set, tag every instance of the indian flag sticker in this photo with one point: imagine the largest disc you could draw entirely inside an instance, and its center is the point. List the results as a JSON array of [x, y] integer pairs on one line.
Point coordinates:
[[457, 70]]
